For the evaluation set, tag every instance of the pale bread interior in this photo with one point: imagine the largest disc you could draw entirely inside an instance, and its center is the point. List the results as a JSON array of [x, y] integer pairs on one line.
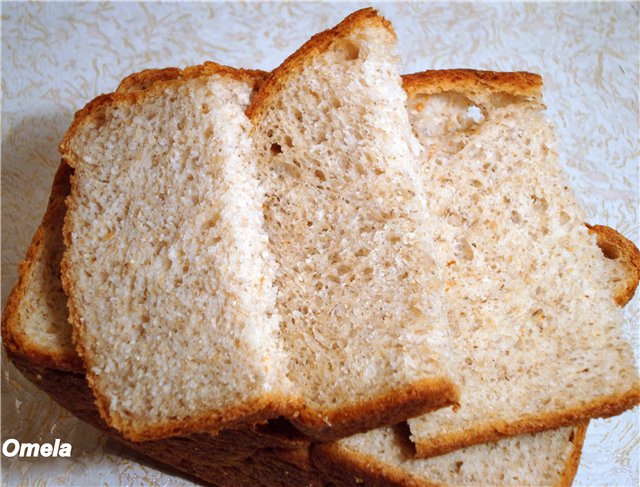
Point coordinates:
[[166, 246], [533, 318], [359, 296]]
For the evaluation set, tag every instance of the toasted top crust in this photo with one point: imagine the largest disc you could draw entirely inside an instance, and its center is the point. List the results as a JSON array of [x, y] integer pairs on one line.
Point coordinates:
[[146, 84], [474, 82], [319, 43]]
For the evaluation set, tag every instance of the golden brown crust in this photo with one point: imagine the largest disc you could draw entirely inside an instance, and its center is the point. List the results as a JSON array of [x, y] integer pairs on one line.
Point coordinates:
[[14, 335], [391, 408], [571, 465], [615, 246], [318, 44], [163, 78], [474, 82], [143, 80], [495, 430]]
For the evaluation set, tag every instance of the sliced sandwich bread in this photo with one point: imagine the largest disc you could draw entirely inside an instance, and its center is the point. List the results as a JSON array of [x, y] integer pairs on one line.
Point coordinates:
[[534, 321], [348, 225]]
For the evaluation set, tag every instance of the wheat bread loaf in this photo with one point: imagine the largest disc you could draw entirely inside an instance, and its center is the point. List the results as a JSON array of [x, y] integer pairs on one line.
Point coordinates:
[[538, 334], [359, 296], [30, 348], [165, 244]]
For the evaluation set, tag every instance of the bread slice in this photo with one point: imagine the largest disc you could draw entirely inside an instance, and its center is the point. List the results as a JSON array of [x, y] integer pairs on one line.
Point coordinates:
[[540, 338], [165, 243], [359, 296], [35, 322], [225, 459]]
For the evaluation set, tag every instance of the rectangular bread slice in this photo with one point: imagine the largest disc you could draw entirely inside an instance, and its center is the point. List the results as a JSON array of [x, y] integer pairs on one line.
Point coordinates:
[[165, 243], [538, 336], [37, 333], [359, 296]]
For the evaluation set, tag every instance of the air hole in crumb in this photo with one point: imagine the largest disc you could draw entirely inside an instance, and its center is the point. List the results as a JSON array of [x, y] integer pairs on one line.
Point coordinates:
[[462, 249], [459, 466], [475, 114], [349, 49], [564, 217], [343, 269], [288, 141], [515, 217], [362, 253], [455, 220], [320, 175], [309, 223], [394, 239], [476, 183], [205, 108], [100, 119], [367, 271], [539, 204], [276, 149], [609, 250]]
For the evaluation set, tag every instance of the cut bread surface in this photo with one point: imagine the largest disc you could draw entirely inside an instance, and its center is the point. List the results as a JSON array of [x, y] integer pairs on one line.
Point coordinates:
[[534, 317], [360, 298], [165, 244]]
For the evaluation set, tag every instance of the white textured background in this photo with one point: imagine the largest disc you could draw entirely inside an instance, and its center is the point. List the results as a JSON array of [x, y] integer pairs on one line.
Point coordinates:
[[57, 56]]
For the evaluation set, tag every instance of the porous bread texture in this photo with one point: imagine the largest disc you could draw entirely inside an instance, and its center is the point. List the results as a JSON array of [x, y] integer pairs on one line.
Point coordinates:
[[358, 292], [165, 244], [386, 456], [537, 332]]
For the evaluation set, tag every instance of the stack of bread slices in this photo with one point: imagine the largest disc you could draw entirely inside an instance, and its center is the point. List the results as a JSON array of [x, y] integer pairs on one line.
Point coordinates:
[[327, 274]]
